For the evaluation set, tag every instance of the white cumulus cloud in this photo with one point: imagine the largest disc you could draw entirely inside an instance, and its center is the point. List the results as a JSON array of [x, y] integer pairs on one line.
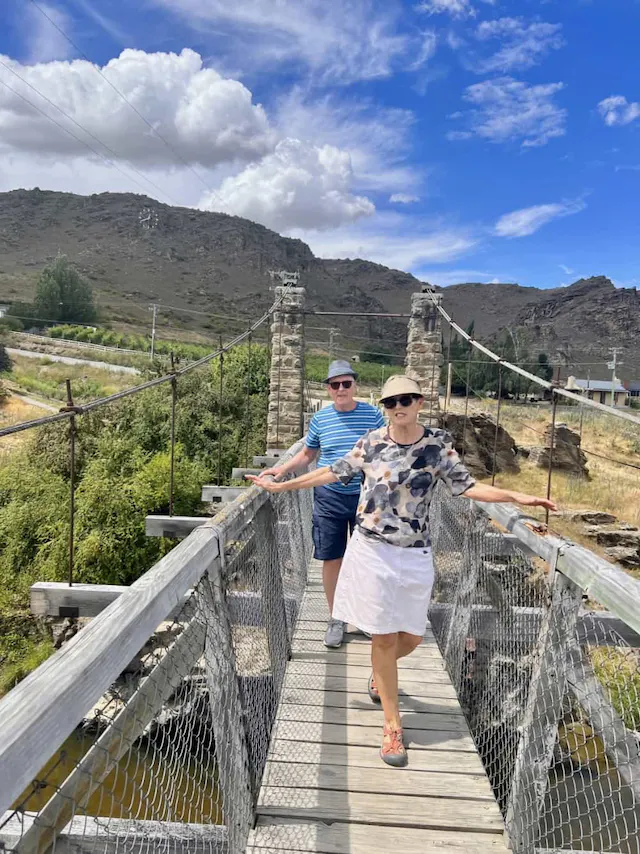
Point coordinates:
[[444, 278], [403, 199], [616, 110], [526, 221], [508, 110], [524, 43], [455, 8], [396, 240], [208, 118], [299, 185], [376, 138]]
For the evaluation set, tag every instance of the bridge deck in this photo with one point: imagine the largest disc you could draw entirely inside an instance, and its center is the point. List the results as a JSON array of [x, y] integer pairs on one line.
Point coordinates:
[[325, 788]]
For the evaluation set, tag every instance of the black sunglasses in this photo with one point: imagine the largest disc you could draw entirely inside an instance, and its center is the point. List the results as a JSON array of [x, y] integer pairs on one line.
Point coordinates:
[[404, 400], [344, 383]]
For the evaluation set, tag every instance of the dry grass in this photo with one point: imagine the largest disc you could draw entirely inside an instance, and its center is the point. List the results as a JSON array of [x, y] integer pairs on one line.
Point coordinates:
[[612, 488], [46, 379], [43, 380], [14, 410]]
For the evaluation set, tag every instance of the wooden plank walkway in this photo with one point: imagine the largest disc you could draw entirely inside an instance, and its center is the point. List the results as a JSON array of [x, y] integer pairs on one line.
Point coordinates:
[[325, 788]]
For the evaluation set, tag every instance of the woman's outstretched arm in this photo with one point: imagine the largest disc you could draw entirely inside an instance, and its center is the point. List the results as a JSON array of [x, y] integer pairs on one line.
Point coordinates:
[[484, 492], [319, 477]]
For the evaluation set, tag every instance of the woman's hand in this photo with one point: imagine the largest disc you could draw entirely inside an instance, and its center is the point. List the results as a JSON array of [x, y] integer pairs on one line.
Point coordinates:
[[484, 492], [263, 483], [534, 501]]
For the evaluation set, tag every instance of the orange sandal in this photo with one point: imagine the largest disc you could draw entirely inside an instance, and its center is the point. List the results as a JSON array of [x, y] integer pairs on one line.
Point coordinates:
[[393, 751]]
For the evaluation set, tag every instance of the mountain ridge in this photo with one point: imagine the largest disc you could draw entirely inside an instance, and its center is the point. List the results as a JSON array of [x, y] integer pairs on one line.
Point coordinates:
[[136, 251]]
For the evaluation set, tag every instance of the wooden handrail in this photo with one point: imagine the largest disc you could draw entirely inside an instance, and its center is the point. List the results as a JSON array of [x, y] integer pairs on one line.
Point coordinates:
[[40, 713], [599, 579]]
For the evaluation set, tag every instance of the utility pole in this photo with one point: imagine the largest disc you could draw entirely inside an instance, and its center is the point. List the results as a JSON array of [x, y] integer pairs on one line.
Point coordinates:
[[332, 332], [154, 308], [612, 365], [447, 396]]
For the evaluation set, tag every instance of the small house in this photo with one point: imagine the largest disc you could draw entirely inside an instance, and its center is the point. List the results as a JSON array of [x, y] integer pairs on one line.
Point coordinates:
[[599, 390], [633, 388]]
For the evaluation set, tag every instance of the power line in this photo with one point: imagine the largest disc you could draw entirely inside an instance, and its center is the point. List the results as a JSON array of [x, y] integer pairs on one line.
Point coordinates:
[[71, 134], [345, 351], [162, 306], [99, 71], [84, 130], [526, 424], [166, 378], [561, 392]]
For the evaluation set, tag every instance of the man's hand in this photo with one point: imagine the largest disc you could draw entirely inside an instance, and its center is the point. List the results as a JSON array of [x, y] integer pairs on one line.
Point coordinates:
[[268, 485], [274, 472]]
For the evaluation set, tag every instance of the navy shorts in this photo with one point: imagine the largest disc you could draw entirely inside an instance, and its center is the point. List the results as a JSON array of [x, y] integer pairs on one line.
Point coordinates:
[[334, 516]]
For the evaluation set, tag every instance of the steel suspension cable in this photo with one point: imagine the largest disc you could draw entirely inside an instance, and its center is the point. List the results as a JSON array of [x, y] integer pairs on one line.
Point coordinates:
[[529, 376]]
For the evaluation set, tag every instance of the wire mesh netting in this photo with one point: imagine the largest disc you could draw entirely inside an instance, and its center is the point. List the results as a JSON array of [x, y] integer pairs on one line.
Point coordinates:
[[549, 683], [172, 754]]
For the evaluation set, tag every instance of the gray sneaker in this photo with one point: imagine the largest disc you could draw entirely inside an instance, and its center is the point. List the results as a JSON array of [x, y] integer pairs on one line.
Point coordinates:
[[334, 634]]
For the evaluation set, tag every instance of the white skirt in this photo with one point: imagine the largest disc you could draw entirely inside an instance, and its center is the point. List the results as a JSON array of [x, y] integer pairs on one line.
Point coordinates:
[[382, 588]]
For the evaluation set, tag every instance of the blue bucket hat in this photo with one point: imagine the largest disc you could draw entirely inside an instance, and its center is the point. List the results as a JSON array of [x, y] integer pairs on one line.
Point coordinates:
[[340, 368]]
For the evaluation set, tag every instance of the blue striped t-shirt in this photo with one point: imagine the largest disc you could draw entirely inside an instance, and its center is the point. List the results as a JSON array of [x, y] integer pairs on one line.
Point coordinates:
[[335, 433]]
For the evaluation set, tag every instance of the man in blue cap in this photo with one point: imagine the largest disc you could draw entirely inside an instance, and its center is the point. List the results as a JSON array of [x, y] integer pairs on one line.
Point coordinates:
[[333, 432]]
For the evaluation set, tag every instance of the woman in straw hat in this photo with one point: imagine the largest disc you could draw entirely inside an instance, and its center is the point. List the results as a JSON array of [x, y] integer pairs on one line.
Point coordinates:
[[387, 574]]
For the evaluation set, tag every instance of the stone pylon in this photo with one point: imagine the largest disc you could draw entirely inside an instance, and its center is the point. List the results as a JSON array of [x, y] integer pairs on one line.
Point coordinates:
[[424, 350], [286, 378]]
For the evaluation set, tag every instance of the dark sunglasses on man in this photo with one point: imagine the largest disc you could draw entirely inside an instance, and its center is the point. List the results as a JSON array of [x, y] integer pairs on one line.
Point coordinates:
[[344, 383], [403, 399]]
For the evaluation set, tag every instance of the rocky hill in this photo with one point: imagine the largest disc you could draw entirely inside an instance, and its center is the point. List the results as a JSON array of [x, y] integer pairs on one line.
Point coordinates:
[[136, 251]]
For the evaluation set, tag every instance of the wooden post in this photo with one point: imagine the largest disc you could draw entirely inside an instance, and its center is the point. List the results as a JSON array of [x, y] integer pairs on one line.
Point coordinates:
[[232, 757], [543, 711]]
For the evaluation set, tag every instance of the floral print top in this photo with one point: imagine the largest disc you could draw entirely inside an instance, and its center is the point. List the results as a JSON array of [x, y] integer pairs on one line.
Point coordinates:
[[399, 481]]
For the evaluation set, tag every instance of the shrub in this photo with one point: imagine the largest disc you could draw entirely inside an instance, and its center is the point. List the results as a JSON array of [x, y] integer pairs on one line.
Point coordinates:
[[5, 360]]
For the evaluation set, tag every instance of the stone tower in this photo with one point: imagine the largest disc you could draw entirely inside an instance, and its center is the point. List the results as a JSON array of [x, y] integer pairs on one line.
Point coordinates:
[[286, 378], [424, 350]]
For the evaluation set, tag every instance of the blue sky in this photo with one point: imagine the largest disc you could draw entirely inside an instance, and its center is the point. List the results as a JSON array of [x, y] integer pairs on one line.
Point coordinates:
[[461, 140]]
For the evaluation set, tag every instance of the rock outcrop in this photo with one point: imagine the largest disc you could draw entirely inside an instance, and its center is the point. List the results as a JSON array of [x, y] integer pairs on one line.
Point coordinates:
[[479, 439], [567, 455], [620, 540]]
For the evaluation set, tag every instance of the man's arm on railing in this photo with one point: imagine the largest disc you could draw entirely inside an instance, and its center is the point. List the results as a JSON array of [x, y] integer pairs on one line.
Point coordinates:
[[319, 477], [484, 492], [301, 460]]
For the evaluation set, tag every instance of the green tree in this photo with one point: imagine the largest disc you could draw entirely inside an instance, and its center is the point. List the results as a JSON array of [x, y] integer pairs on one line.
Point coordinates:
[[381, 355], [484, 373], [63, 294], [5, 359]]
